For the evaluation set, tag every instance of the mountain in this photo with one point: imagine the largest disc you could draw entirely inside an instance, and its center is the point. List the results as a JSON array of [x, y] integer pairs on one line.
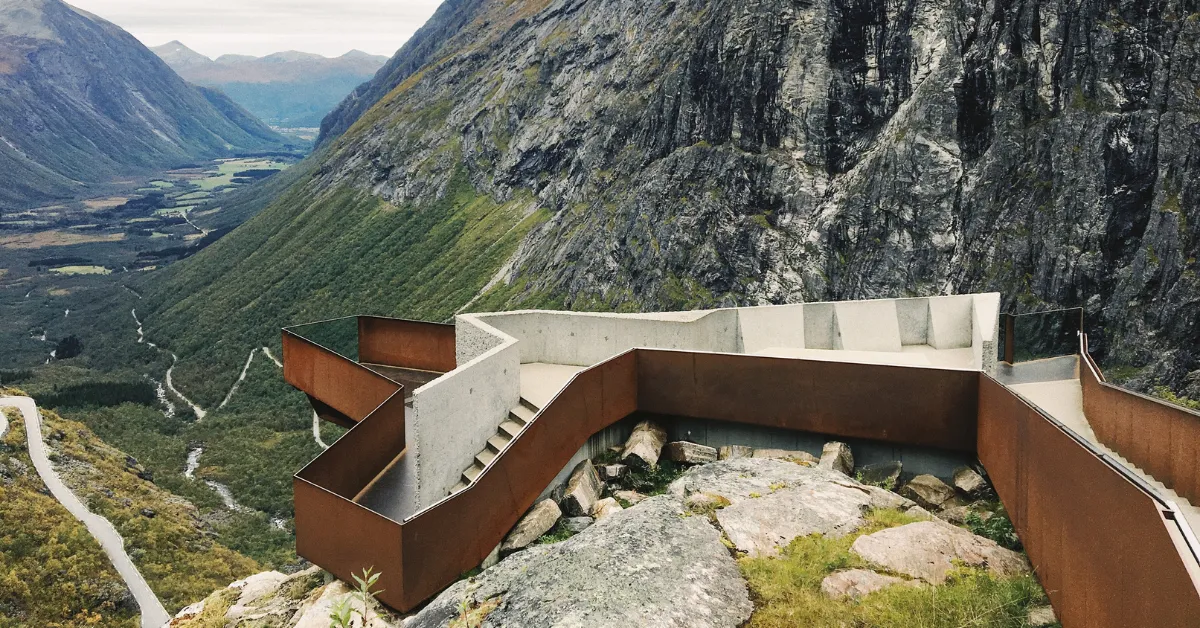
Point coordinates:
[[178, 55], [617, 154], [287, 89], [82, 102]]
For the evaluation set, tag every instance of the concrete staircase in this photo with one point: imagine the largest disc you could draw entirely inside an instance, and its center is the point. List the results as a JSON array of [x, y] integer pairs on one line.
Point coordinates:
[[518, 417]]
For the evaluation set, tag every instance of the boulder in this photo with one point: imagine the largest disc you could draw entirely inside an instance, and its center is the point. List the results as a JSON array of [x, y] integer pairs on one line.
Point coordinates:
[[644, 445], [956, 514], [930, 549], [802, 457], [1041, 617], [575, 525], [885, 474], [534, 524], [646, 567], [733, 452], [605, 507], [630, 497], [929, 492], [582, 490], [855, 583], [610, 472], [969, 482], [148, 513], [705, 503], [837, 457], [691, 453]]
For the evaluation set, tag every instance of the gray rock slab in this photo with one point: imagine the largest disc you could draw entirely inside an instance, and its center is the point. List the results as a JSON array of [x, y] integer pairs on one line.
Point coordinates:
[[645, 445], [836, 456], [534, 524], [582, 490], [647, 566], [930, 549], [855, 583], [929, 492], [691, 453]]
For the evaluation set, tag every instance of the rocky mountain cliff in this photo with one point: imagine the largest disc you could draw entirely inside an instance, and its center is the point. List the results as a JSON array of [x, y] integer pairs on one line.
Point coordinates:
[[82, 102], [684, 153], [288, 89]]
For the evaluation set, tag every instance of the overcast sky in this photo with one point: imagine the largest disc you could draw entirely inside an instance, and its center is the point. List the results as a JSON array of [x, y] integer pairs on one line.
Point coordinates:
[[260, 27]]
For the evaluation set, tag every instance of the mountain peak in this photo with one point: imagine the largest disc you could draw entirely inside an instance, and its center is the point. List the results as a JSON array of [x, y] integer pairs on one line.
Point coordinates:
[[176, 53]]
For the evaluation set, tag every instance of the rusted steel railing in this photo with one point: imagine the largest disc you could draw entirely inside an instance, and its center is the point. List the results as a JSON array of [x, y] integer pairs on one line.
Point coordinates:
[[1101, 542], [1106, 551], [408, 344], [1161, 438]]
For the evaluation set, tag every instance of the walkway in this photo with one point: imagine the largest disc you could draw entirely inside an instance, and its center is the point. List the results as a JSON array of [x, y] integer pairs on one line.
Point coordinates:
[[1056, 390], [153, 613]]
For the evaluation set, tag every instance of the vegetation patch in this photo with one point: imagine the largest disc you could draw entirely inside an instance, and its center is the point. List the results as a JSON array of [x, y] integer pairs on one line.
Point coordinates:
[[81, 270], [52, 572], [787, 590]]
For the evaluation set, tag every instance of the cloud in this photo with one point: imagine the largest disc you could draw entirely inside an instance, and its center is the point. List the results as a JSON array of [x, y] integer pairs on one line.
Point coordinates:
[[261, 27]]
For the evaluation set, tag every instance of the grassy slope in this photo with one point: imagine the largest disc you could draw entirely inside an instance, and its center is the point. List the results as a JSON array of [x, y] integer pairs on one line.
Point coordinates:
[[174, 549], [52, 572], [341, 253]]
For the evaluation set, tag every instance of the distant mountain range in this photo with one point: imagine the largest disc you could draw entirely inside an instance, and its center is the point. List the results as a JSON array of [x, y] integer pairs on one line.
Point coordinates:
[[83, 102], [287, 89]]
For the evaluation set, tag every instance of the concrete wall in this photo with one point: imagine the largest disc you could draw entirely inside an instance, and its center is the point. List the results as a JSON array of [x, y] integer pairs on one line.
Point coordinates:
[[770, 326], [473, 338], [584, 339], [455, 414], [985, 313], [868, 325], [950, 322]]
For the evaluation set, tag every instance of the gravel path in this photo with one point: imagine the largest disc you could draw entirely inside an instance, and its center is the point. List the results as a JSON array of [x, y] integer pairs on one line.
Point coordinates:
[[153, 613]]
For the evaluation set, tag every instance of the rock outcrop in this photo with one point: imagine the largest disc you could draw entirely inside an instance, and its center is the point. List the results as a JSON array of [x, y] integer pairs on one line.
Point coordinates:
[[771, 502], [646, 566]]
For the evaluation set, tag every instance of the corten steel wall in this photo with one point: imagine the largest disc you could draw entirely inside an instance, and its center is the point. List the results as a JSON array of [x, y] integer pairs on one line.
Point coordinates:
[[898, 404], [1102, 546], [334, 380], [407, 344], [330, 527], [1160, 438]]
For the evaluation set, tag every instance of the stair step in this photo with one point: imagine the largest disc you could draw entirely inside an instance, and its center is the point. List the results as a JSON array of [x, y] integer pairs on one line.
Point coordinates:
[[511, 427], [522, 413], [473, 472], [485, 457], [498, 442], [529, 404], [458, 487]]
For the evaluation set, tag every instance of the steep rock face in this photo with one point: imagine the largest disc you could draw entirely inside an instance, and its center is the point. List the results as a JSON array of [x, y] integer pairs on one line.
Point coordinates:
[[82, 101], [697, 153]]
